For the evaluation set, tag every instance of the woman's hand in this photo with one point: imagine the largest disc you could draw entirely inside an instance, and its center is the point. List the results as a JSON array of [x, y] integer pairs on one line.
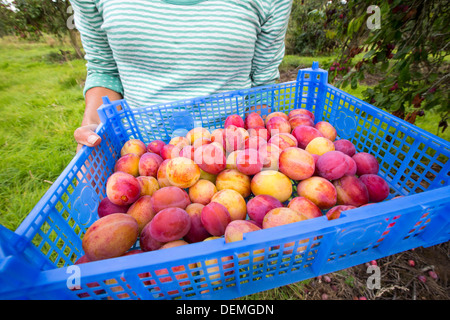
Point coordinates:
[[85, 134]]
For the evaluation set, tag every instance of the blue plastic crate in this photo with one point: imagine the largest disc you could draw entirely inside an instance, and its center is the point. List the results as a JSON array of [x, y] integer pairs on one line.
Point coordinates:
[[36, 261]]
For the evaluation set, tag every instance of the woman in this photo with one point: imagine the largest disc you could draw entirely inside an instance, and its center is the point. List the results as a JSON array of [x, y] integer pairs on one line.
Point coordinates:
[[158, 51]]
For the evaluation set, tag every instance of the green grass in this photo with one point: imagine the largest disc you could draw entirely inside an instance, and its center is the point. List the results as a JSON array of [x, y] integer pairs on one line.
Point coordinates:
[[41, 105], [292, 61]]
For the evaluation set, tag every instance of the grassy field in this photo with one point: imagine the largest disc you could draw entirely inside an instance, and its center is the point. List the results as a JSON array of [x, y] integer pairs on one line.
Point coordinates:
[[41, 105]]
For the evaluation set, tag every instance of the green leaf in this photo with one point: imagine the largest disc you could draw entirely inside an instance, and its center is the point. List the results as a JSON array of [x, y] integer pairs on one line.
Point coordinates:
[[380, 98], [402, 53], [432, 77], [354, 25], [350, 28], [416, 74], [330, 34], [360, 76], [404, 75], [395, 105], [345, 83], [381, 56], [354, 83], [369, 54]]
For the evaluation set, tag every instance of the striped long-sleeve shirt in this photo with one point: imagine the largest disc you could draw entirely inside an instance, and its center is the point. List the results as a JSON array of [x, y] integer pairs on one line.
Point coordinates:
[[157, 51]]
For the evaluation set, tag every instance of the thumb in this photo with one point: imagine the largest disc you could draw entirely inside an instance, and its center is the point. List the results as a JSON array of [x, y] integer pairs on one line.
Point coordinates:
[[86, 135]]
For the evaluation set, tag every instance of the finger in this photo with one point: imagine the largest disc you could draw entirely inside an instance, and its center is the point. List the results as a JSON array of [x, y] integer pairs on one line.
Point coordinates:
[[86, 136], [79, 146]]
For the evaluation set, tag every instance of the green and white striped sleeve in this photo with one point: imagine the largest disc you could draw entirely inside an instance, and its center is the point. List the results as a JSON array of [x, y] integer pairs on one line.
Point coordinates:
[[270, 47], [101, 67]]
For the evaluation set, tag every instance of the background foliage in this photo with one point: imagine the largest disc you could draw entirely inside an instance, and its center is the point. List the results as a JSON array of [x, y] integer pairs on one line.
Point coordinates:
[[31, 19], [408, 55], [311, 29], [410, 51]]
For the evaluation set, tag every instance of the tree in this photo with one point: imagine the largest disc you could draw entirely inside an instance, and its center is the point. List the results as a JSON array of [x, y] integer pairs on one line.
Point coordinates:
[[409, 50], [310, 30], [6, 19], [32, 18]]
